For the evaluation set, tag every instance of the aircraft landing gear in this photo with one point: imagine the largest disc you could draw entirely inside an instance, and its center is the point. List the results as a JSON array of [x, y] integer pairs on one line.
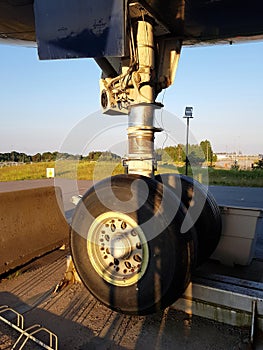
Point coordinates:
[[127, 241]]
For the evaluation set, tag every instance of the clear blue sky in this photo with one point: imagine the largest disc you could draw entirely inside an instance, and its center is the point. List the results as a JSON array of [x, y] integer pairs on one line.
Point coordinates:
[[41, 102]]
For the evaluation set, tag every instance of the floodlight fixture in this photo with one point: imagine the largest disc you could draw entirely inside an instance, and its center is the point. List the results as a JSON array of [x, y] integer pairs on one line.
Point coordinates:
[[187, 114]]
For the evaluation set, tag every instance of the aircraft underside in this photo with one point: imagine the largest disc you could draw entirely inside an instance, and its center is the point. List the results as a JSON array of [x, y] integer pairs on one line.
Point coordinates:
[[135, 238], [194, 21]]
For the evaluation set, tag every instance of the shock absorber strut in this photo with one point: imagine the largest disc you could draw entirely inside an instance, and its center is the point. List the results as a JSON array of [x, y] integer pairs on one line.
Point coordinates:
[[141, 156]]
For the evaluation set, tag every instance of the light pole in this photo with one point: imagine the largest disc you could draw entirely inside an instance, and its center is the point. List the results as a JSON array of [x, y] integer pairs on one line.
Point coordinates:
[[187, 114]]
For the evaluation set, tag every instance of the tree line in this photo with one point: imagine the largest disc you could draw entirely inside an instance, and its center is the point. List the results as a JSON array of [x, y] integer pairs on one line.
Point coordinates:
[[197, 154], [19, 157]]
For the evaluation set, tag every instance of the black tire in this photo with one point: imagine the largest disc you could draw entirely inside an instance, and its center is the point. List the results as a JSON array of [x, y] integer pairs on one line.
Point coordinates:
[[202, 207], [170, 255]]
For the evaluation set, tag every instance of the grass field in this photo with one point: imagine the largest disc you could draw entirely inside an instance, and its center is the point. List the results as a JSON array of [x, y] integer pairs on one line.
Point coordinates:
[[83, 170], [32, 171]]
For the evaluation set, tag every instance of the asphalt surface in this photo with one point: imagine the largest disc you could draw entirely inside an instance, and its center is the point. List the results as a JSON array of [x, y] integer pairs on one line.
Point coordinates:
[[248, 197]]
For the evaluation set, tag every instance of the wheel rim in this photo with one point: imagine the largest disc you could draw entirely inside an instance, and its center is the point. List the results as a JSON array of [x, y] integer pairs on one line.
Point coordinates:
[[117, 249]]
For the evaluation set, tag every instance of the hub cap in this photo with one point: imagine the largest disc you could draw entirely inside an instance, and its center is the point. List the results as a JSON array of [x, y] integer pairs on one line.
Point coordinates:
[[117, 249]]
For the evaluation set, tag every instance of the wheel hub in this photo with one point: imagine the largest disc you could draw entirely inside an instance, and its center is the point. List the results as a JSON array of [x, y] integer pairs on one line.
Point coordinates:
[[117, 249], [120, 247]]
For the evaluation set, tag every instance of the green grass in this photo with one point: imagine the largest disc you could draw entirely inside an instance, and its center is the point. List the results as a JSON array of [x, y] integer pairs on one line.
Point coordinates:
[[84, 170], [222, 177], [243, 178], [32, 171]]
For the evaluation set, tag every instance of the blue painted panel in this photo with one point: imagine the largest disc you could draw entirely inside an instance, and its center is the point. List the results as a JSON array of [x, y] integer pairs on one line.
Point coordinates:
[[80, 28]]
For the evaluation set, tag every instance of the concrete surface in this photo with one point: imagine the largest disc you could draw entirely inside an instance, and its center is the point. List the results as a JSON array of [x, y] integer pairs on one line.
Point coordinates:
[[32, 224]]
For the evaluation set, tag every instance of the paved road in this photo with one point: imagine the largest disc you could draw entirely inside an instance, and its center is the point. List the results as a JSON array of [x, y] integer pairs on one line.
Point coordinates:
[[69, 189], [250, 197], [7, 186]]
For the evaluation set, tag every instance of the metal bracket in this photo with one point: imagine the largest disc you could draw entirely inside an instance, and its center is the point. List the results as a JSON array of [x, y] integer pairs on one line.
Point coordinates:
[[136, 10]]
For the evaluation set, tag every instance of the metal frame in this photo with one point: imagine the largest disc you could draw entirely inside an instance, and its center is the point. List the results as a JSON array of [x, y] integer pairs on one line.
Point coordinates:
[[226, 300], [28, 333]]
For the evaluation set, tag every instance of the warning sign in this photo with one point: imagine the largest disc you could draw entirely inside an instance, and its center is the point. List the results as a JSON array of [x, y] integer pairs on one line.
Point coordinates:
[[50, 173]]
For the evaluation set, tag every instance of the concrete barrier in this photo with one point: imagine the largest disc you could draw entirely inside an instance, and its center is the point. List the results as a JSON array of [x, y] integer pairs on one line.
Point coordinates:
[[31, 224]]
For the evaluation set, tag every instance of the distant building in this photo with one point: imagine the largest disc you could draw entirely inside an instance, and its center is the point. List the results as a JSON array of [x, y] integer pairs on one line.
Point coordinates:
[[227, 160]]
